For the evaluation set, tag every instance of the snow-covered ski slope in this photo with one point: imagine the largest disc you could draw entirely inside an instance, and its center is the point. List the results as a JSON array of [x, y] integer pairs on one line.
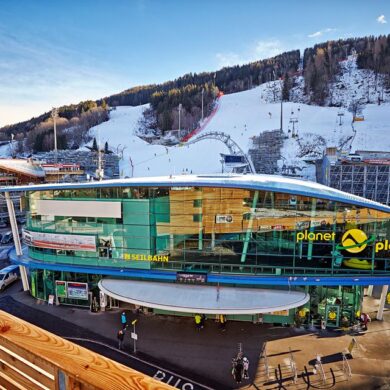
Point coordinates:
[[242, 116]]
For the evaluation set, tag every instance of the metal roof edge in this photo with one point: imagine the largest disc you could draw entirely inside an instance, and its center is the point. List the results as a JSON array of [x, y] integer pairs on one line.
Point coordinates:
[[252, 182]]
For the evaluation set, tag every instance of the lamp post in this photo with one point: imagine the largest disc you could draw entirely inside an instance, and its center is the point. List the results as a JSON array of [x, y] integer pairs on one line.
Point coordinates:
[[54, 114], [202, 103], [12, 145], [134, 335], [180, 106]]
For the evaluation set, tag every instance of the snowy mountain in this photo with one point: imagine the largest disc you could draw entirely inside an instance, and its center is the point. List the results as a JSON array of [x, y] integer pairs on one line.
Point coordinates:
[[307, 129]]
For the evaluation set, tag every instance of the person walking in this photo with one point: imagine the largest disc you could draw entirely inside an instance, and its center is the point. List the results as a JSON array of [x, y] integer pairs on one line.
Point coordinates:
[[202, 320], [198, 321], [365, 318], [120, 336], [222, 322], [238, 369], [245, 363], [123, 320]]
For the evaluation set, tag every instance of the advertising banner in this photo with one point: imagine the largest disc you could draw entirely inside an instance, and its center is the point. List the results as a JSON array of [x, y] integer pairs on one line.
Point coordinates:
[[186, 277], [68, 242], [387, 303], [77, 290], [61, 289], [223, 218]]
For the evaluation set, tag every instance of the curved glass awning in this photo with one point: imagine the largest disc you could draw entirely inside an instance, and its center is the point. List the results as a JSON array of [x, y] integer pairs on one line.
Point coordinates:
[[186, 298]]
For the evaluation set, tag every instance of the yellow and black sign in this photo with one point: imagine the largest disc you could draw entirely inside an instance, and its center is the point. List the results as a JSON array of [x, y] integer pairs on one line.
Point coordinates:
[[354, 241], [151, 258], [332, 315]]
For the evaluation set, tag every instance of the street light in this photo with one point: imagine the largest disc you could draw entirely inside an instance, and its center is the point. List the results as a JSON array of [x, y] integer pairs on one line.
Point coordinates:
[[180, 106], [134, 335], [54, 114], [202, 103]]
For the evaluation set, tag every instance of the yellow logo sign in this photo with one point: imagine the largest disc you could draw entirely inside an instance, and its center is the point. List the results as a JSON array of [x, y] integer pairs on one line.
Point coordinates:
[[354, 241], [137, 257]]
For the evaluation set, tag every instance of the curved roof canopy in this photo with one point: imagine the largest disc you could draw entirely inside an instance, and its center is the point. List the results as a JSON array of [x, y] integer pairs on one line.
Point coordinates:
[[22, 167], [253, 182], [205, 299]]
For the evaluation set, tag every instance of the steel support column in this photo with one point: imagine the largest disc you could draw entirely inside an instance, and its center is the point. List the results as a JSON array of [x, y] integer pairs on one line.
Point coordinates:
[[249, 228], [15, 233]]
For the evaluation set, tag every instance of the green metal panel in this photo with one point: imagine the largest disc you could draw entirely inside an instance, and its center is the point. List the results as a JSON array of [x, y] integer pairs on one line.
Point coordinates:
[[161, 209], [136, 211]]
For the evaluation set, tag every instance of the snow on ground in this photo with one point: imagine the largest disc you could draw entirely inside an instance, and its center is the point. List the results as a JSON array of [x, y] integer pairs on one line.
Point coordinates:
[[154, 160], [355, 84], [244, 115]]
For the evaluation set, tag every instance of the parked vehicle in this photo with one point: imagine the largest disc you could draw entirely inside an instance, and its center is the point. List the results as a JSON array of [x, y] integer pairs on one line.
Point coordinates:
[[7, 238], [354, 157], [8, 275]]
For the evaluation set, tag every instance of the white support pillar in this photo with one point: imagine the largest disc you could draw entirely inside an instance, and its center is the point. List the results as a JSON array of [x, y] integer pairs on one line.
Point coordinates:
[[369, 290], [15, 233], [171, 242], [382, 302]]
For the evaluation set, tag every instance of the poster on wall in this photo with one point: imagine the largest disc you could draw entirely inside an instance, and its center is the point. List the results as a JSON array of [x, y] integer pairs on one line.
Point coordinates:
[[69, 242], [223, 218], [77, 290], [61, 289], [387, 303]]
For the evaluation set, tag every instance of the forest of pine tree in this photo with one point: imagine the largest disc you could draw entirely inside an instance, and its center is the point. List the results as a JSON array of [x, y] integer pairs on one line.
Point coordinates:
[[321, 63]]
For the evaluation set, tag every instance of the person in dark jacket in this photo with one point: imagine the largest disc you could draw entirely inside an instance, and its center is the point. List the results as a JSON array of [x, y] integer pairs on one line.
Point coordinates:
[[120, 336]]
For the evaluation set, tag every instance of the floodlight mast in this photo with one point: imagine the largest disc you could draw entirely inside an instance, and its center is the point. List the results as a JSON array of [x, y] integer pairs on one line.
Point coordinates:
[[54, 114]]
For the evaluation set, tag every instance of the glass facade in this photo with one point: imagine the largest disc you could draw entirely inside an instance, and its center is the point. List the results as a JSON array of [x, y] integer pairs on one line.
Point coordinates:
[[207, 229]]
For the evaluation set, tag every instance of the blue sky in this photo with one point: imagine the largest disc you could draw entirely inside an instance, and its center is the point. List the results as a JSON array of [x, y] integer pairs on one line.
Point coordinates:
[[59, 52]]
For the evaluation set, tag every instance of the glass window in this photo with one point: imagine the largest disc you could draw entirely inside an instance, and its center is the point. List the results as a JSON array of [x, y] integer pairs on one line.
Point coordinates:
[[197, 203], [197, 218]]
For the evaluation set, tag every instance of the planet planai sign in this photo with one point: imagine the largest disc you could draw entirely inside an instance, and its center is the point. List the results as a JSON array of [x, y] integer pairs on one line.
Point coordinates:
[[353, 240]]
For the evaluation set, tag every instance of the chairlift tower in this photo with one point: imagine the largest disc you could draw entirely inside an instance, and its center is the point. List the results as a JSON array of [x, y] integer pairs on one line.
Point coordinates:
[[340, 115], [293, 121]]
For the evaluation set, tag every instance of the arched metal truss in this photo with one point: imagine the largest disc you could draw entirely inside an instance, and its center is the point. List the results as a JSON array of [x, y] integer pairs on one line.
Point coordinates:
[[233, 147]]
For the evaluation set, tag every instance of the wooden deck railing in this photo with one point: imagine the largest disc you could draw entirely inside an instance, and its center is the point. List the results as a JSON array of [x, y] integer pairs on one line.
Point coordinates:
[[32, 358]]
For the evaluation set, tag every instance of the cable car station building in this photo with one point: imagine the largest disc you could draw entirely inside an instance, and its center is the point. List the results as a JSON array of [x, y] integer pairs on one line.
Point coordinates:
[[253, 247]]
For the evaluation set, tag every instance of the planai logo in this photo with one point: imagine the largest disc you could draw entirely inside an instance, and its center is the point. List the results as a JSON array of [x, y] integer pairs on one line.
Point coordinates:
[[355, 241]]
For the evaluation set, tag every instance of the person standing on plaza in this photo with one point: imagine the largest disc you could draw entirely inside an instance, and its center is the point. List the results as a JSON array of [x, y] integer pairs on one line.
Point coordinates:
[[198, 321], [238, 368], [123, 320], [202, 320], [245, 364], [222, 322], [120, 336], [364, 319]]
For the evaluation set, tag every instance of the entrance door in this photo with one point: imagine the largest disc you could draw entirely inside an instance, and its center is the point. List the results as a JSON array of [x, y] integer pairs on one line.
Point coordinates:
[[332, 315], [113, 303]]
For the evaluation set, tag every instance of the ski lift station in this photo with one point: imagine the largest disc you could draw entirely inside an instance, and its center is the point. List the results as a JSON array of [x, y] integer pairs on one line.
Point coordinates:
[[256, 248]]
